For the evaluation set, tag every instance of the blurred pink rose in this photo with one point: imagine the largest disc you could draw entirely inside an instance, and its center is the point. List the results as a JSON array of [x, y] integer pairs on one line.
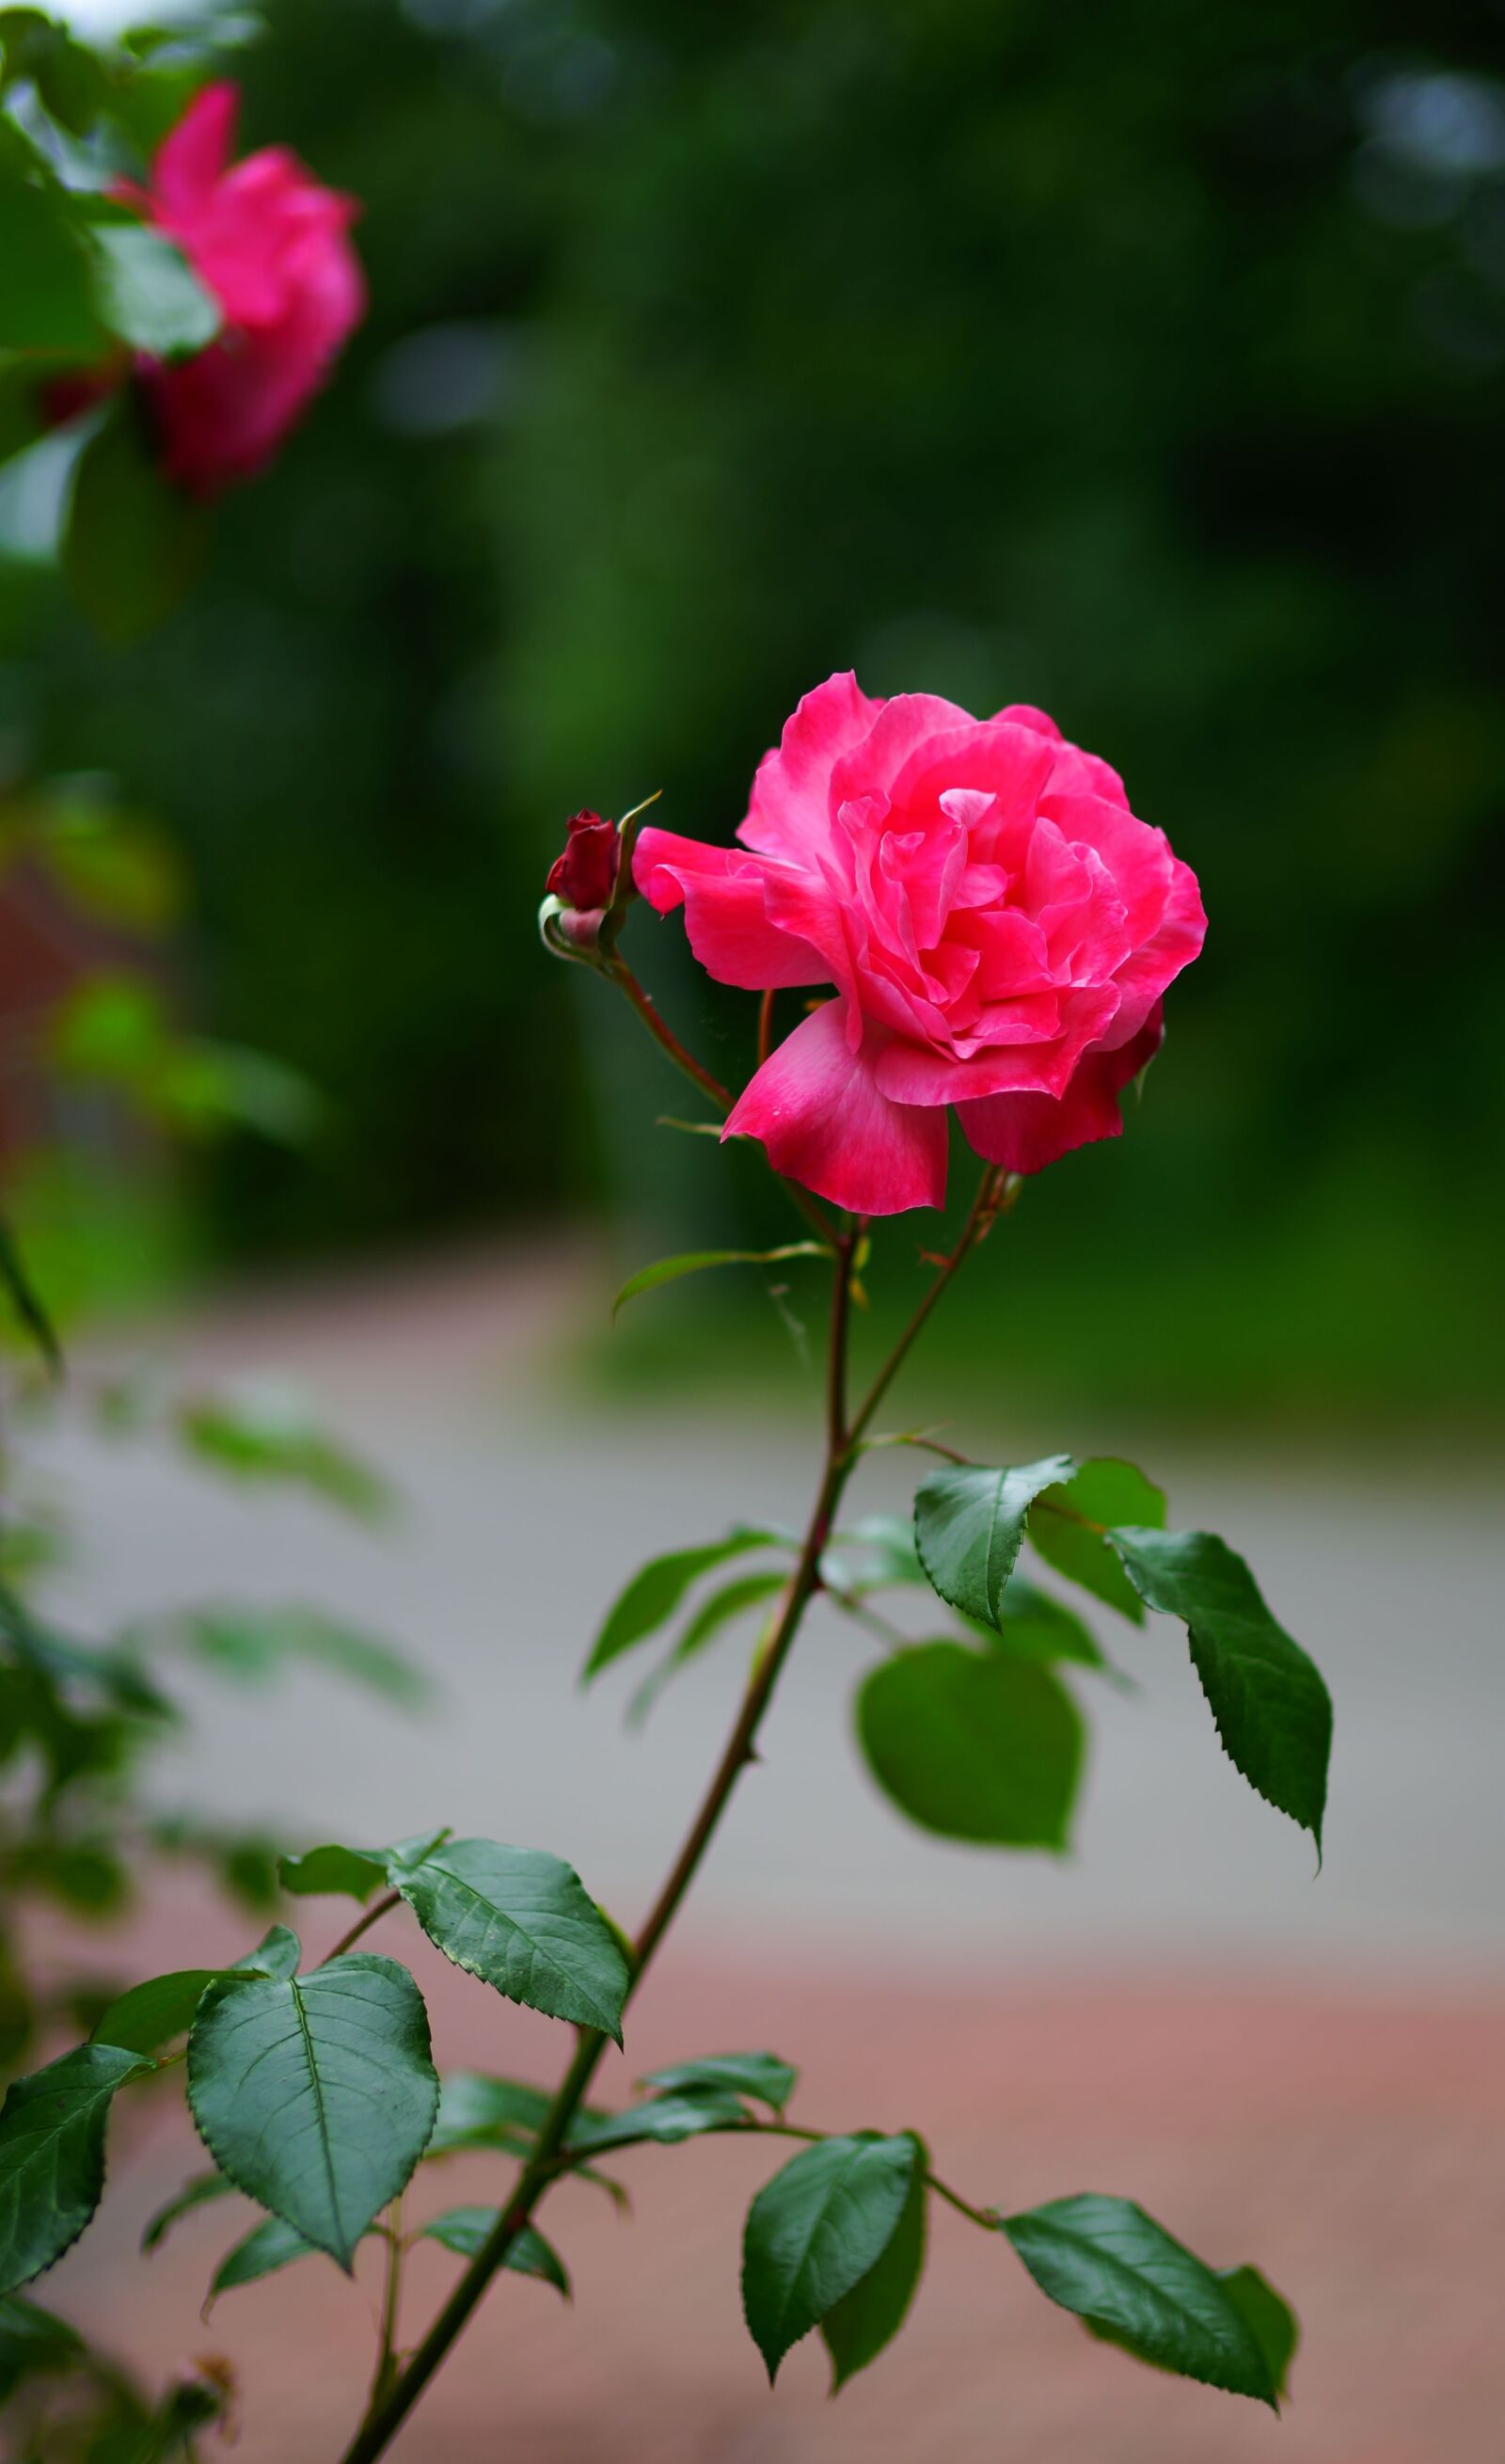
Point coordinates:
[[272, 247], [998, 927]]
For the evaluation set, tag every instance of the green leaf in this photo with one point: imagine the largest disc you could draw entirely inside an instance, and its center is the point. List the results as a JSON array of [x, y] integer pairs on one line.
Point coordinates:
[[23, 1298], [333, 1869], [466, 2230], [1036, 1627], [1105, 1491], [1270, 1705], [1121, 2272], [32, 2341], [153, 2013], [51, 2155], [522, 1922], [877, 1555], [664, 2119], [265, 1432], [315, 2094], [475, 2111], [732, 1600], [974, 1746], [277, 1954], [1271, 2321], [871, 2314], [760, 2075], [196, 2192], [133, 543], [146, 293], [967, 1526], [47, 300], [657, 1588], [269, 2246], [814, 2231], [667, 1270], [250, 1641]]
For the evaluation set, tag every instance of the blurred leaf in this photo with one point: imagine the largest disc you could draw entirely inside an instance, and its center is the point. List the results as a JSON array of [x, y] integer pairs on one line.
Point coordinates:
[[83, 1874], [266, 2248], [265, 1433], [51, 2155], [1106, 1491], [521, 1920], [760, 2075], [721, 1609], [657, 1588], [876, 1555], [969, 1523], [147, 295], [814, 2232], [315, 2094], [664, 2120], [1038, 1627], [69, 79], [693, 1262], [871, 2314], [47, 302], [475, 2111], [1127, 2280], [253, 1642], [107, 860], [133, 544], [197, 2192], [332, 1869], [974, 1744], [1271, 1710], [33, 2340], [466, 2230], [23, 1298]]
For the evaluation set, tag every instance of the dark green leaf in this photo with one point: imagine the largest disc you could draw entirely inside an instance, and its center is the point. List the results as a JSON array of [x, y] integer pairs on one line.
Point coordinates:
[[250, 1641], [479, 2112], [667, 1270], [277, 1954], [732, 1600], [152, 2014], [973, 1745], [315, 2094], [1036, 1627], [46, 302], [23, 1298], [133, 543], [269, 2246], [1270, 2321], [147, 295], [814, 2231], [871, 2314], [333, 1869], [524, 1923], [51, 2155], [196, 2192], [760, 2075], [1121, 2273], [466, 2230], [33, 2340], [1105, 1491], [657, 1588], [967, 1526], [1271, 1708], [667, 2120]]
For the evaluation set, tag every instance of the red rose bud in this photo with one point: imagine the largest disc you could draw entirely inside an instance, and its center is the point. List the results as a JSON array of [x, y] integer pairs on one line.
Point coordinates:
[[585, 875]]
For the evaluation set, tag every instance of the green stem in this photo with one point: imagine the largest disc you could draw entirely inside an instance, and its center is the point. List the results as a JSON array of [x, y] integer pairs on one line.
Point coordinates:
[[367, 1918], [994, 1195], [391, 2301], [791, 2130]]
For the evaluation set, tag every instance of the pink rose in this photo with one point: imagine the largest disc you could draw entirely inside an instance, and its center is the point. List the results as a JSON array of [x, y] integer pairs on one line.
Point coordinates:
[[998, 927], [272, 247]]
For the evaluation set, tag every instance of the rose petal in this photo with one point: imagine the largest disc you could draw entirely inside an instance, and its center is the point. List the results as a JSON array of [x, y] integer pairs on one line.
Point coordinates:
[[191, 158], [791, 806], [722, 895], [1025, 1132], [817, 1108]]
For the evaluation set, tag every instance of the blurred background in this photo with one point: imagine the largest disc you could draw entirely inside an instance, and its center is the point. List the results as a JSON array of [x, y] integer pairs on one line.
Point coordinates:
[[1142, 362]]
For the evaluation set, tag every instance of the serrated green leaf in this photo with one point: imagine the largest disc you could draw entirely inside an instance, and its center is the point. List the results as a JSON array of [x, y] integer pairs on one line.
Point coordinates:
[[657, 1588], [732, 1600], [315, 2094], [148, 294], [524, 1923], [974, 1744], [150, 2015], [33, 2340], [969, 1523], [1125, 2277], [467, 2229], [871, 2314], [23, 1297], [664, 2120], [347, 1871], [270, 2246], [1269, 1704], [693, 1262], [1105, 1491], [51, 2155], [1271, 2321], [132, 543], [249, 1640], [814, 2231], [196, 2192], [760, 2075]]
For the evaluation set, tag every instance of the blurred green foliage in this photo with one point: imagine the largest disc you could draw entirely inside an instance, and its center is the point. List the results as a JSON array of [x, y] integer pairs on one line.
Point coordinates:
[[1146, 363]]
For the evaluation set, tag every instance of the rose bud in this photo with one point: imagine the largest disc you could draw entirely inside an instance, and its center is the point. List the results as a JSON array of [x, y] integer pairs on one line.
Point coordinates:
[[585, 875]]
